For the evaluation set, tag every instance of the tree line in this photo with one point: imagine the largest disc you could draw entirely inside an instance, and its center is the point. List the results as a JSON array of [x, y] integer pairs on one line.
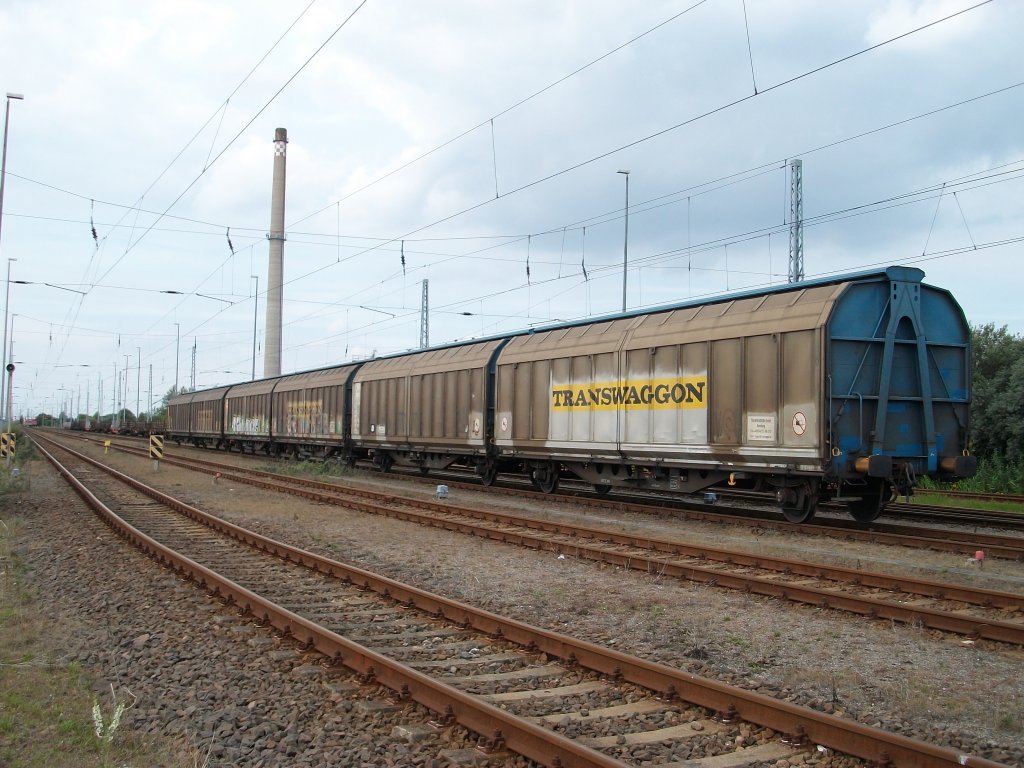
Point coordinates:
[[997, 408]]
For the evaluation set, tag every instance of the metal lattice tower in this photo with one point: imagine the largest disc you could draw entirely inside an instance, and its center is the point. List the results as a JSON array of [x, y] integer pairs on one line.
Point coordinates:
[[425, 317], [796, 221]]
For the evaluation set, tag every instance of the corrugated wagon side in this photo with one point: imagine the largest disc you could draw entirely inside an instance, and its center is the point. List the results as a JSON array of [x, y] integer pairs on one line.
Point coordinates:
[[312, 413], [679, 399], [247, 416], [178, 412], [427, 409], [204, 416]]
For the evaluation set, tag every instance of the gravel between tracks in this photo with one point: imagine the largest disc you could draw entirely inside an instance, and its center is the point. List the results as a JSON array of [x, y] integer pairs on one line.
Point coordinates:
[[250, 708], [233, 692]]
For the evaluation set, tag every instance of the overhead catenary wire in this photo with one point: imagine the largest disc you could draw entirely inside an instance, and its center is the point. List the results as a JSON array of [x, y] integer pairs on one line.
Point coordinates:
[[1005, 175], [741, 175], [223, 108], [133, 243], [703, 115], [238, 135], [506, 110], [687, 199], [750, 50], [1004, 172]]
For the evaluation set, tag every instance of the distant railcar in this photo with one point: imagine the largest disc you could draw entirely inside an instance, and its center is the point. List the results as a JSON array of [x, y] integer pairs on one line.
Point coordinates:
[[198, 417], [247, 415], [844, 388]]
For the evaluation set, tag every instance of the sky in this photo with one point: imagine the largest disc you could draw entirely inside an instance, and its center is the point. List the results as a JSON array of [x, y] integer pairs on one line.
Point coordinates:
[[475, 146]]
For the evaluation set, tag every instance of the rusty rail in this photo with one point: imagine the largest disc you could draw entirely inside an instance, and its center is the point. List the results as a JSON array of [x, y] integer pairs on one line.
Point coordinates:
[[532, 741], [656, 553]]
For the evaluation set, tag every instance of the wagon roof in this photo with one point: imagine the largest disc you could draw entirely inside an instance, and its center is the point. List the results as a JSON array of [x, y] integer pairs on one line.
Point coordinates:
[[259, 387], [590, 328], [434, 360], [321, 377]]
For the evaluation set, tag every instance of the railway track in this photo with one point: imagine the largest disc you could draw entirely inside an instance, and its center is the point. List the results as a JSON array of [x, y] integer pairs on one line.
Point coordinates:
[[961, 516], [914, 510], [556, 700], [964, 539], [761, 506], [969, 611]]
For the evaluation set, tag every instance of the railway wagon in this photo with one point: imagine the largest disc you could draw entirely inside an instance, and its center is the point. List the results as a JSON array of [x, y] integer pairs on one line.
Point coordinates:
[[847, 388], [427, 409], [311, 413], [198, 417], [247, 415]]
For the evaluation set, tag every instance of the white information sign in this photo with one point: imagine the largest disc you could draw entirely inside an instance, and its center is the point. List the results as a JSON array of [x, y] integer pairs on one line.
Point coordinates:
[[761, 427]]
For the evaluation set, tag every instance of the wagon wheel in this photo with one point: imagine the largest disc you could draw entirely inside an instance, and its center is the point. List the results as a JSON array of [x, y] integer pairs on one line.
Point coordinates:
[[545, 479], [870, 506], [489, 474], [385, 463], [424, 469], [806, 504], [602, 490]]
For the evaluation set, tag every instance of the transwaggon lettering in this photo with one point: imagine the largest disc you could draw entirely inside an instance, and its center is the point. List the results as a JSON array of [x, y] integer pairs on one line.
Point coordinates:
[[626, 395]]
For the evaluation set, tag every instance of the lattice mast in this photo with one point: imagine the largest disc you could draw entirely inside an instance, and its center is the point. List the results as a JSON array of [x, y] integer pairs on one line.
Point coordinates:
[[425, 316], [796, 221]]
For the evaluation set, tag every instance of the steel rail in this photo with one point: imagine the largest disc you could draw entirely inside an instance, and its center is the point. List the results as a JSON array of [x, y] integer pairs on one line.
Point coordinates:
[[894, 534], [784, 717], [959, 515], [642, 560], [1011, 548], [519, 735]]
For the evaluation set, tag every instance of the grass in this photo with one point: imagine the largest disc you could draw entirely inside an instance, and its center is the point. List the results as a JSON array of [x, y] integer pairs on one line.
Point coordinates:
[[46, 703], [996, 474], [16, 475], [312, 468], [921, 496]]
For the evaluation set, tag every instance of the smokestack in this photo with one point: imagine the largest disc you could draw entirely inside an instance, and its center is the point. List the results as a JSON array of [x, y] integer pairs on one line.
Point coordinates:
[[275, 292]]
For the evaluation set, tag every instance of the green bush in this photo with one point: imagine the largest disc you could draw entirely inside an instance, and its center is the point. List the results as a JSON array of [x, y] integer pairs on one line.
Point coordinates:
[[996, 475]]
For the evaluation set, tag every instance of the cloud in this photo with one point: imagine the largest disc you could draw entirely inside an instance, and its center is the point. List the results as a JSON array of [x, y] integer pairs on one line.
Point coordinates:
[[897, 17], [113, 94]]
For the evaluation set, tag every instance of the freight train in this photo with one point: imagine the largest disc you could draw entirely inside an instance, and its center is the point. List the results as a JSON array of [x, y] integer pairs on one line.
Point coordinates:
[[847, 388]]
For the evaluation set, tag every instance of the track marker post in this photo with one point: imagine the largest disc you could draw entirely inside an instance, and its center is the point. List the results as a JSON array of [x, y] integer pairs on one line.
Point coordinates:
[[156, 450], [7, 445]]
